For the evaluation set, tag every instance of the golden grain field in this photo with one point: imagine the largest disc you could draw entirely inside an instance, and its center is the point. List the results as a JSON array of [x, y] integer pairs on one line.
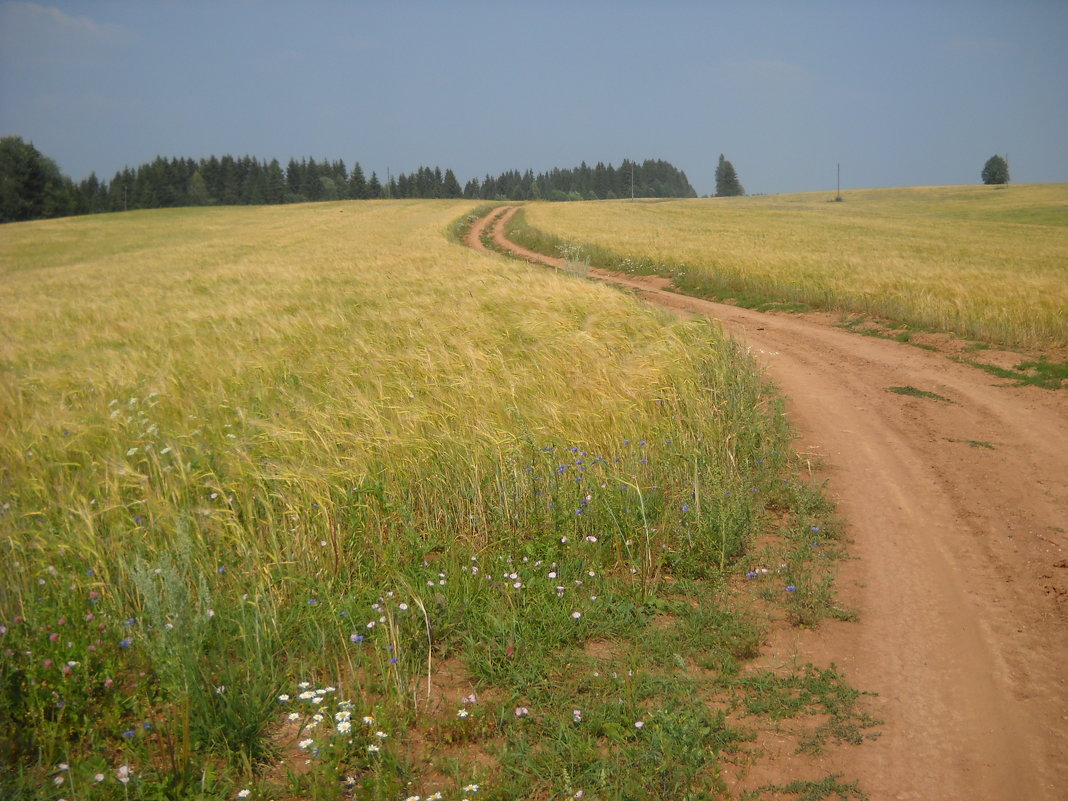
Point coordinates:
[[984, 262]]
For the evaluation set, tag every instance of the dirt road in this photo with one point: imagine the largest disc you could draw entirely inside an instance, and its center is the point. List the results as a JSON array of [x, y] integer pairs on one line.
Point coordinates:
[[957, 516]]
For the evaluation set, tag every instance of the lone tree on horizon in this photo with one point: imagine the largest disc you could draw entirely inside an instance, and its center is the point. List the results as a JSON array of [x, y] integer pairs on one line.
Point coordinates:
[[995, 171], [727, 183]]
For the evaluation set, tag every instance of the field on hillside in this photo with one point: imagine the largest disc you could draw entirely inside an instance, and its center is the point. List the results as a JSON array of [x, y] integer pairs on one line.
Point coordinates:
[[989, 263], [311, 502]]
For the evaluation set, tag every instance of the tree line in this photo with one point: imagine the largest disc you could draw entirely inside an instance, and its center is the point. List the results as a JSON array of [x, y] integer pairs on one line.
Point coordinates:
[[32, 187]]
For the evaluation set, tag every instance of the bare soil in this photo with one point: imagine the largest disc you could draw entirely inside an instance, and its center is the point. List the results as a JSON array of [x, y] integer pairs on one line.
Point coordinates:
[[956, 514]]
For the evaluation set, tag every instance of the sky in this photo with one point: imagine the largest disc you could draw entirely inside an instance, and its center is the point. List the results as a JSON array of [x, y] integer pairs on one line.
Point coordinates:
[[897, 92]]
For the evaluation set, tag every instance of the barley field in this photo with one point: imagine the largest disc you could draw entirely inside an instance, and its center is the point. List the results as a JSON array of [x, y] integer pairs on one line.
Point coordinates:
[[988, 263], [313, 502]]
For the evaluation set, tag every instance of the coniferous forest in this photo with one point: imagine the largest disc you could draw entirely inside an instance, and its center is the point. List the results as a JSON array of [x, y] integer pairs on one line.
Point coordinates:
[[32, 187]]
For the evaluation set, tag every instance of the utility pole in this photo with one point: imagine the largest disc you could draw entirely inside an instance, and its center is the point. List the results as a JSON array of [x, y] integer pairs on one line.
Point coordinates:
[[632, 180], [838, 197]]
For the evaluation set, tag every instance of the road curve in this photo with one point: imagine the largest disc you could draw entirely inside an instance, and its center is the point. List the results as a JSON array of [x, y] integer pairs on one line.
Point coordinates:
[[956, 511]]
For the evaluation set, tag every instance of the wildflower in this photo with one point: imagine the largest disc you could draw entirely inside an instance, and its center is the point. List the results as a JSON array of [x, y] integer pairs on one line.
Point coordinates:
[[591, 538], [123, 774], [306, 695], [471, 788], [211, 613], [381, 735], [305, 744], [283, 697], [470, 699], [639, 724], [791, 588], [293, 716], [355, 638], [343, 726], [412, 798], [373, 749], [304, 685], [521, 711], [128, 734], [125, 643], [98, 778], [462, 713], [58, 780], [368, 720], [576, 714], [244, 793], [552, 574], [576, 614], [344, 714], [403, 607]]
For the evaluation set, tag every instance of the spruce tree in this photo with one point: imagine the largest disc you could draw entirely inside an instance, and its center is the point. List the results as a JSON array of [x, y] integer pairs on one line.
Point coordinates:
[[357, 183], [727, 183]]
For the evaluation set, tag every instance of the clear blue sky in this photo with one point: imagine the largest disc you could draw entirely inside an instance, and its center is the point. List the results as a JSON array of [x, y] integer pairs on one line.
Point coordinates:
[[899, 92]]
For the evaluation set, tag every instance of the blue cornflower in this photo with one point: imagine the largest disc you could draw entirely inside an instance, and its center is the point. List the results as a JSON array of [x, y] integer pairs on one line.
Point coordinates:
[[791, 588], [125, 643]]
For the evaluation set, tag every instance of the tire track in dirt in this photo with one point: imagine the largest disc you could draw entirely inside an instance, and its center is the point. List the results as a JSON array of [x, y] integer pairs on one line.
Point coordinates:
[[956, 515]]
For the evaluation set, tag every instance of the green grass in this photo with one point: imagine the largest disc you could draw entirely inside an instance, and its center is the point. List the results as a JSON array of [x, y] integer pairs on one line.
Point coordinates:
[[1042, 373], [321, 451], [913, 392]]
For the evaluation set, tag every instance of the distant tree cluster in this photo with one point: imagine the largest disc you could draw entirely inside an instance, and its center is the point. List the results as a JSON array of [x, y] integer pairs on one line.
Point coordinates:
[[31, 185], [651, 178]]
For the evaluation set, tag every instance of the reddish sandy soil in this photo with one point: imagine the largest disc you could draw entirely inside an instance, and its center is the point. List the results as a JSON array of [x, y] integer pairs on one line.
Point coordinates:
[[957, 520]]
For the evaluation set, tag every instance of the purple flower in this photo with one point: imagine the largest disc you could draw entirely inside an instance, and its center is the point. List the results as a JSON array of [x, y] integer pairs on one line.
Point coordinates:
[[125, 643], [791, 588], [356, 637]]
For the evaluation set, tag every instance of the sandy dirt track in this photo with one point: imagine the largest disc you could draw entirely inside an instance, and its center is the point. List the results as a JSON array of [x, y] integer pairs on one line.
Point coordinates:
[[957, 518]]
